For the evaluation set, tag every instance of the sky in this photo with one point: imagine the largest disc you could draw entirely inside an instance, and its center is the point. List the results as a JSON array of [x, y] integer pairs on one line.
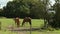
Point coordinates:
[[4, 2], [52, 2]]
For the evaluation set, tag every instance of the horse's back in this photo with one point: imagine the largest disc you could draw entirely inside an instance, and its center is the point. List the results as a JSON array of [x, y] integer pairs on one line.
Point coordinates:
[[27, 19]]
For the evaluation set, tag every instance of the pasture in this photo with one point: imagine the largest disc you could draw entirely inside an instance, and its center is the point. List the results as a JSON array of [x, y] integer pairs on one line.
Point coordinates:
[[36, 23]]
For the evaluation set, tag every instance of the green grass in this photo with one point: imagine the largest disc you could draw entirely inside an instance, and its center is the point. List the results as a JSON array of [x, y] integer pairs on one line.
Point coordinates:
[[35, 23]]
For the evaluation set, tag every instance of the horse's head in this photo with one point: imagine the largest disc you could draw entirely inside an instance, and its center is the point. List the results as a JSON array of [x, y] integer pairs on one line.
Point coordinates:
[[26, 19]]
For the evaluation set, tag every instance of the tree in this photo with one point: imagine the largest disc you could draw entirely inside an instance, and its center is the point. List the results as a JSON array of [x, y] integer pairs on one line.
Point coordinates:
[[22, 8], [1, 12], [16, 8], [45, 14], [57, 15]]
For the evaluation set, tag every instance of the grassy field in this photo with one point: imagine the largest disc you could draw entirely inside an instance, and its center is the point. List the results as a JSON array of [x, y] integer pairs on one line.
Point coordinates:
[[36, 23]]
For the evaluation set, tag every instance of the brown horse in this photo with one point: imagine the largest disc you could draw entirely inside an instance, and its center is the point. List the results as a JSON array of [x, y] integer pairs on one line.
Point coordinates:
[[26, 19], [17, 22]]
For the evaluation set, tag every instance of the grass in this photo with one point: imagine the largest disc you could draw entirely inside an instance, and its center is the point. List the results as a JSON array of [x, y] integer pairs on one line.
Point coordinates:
[[35, 23]]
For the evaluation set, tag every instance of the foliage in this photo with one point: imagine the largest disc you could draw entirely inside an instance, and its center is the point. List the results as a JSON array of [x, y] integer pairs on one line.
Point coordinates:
[[56, 7], [23, 8], [1, 12]]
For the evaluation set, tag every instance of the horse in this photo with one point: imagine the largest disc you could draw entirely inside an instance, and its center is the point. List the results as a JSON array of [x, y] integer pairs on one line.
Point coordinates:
[[17, 22], [26, 19]]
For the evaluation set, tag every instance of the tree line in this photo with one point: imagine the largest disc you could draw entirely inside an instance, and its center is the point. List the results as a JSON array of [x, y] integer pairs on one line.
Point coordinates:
[[23, 8]]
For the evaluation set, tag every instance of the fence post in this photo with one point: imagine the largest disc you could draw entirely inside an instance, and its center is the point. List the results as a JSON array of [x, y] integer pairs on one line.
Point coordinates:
[[30, 29], [0, 25]]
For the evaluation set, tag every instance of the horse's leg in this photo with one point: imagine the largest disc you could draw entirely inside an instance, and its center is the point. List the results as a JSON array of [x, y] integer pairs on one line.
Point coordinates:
[[15, 22], [30, 27], [18, 24], [23, 23], [30, 23]]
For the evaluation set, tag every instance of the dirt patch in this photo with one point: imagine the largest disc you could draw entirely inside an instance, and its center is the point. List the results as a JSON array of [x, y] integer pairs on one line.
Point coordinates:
[[24, 29], [22, 32]]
